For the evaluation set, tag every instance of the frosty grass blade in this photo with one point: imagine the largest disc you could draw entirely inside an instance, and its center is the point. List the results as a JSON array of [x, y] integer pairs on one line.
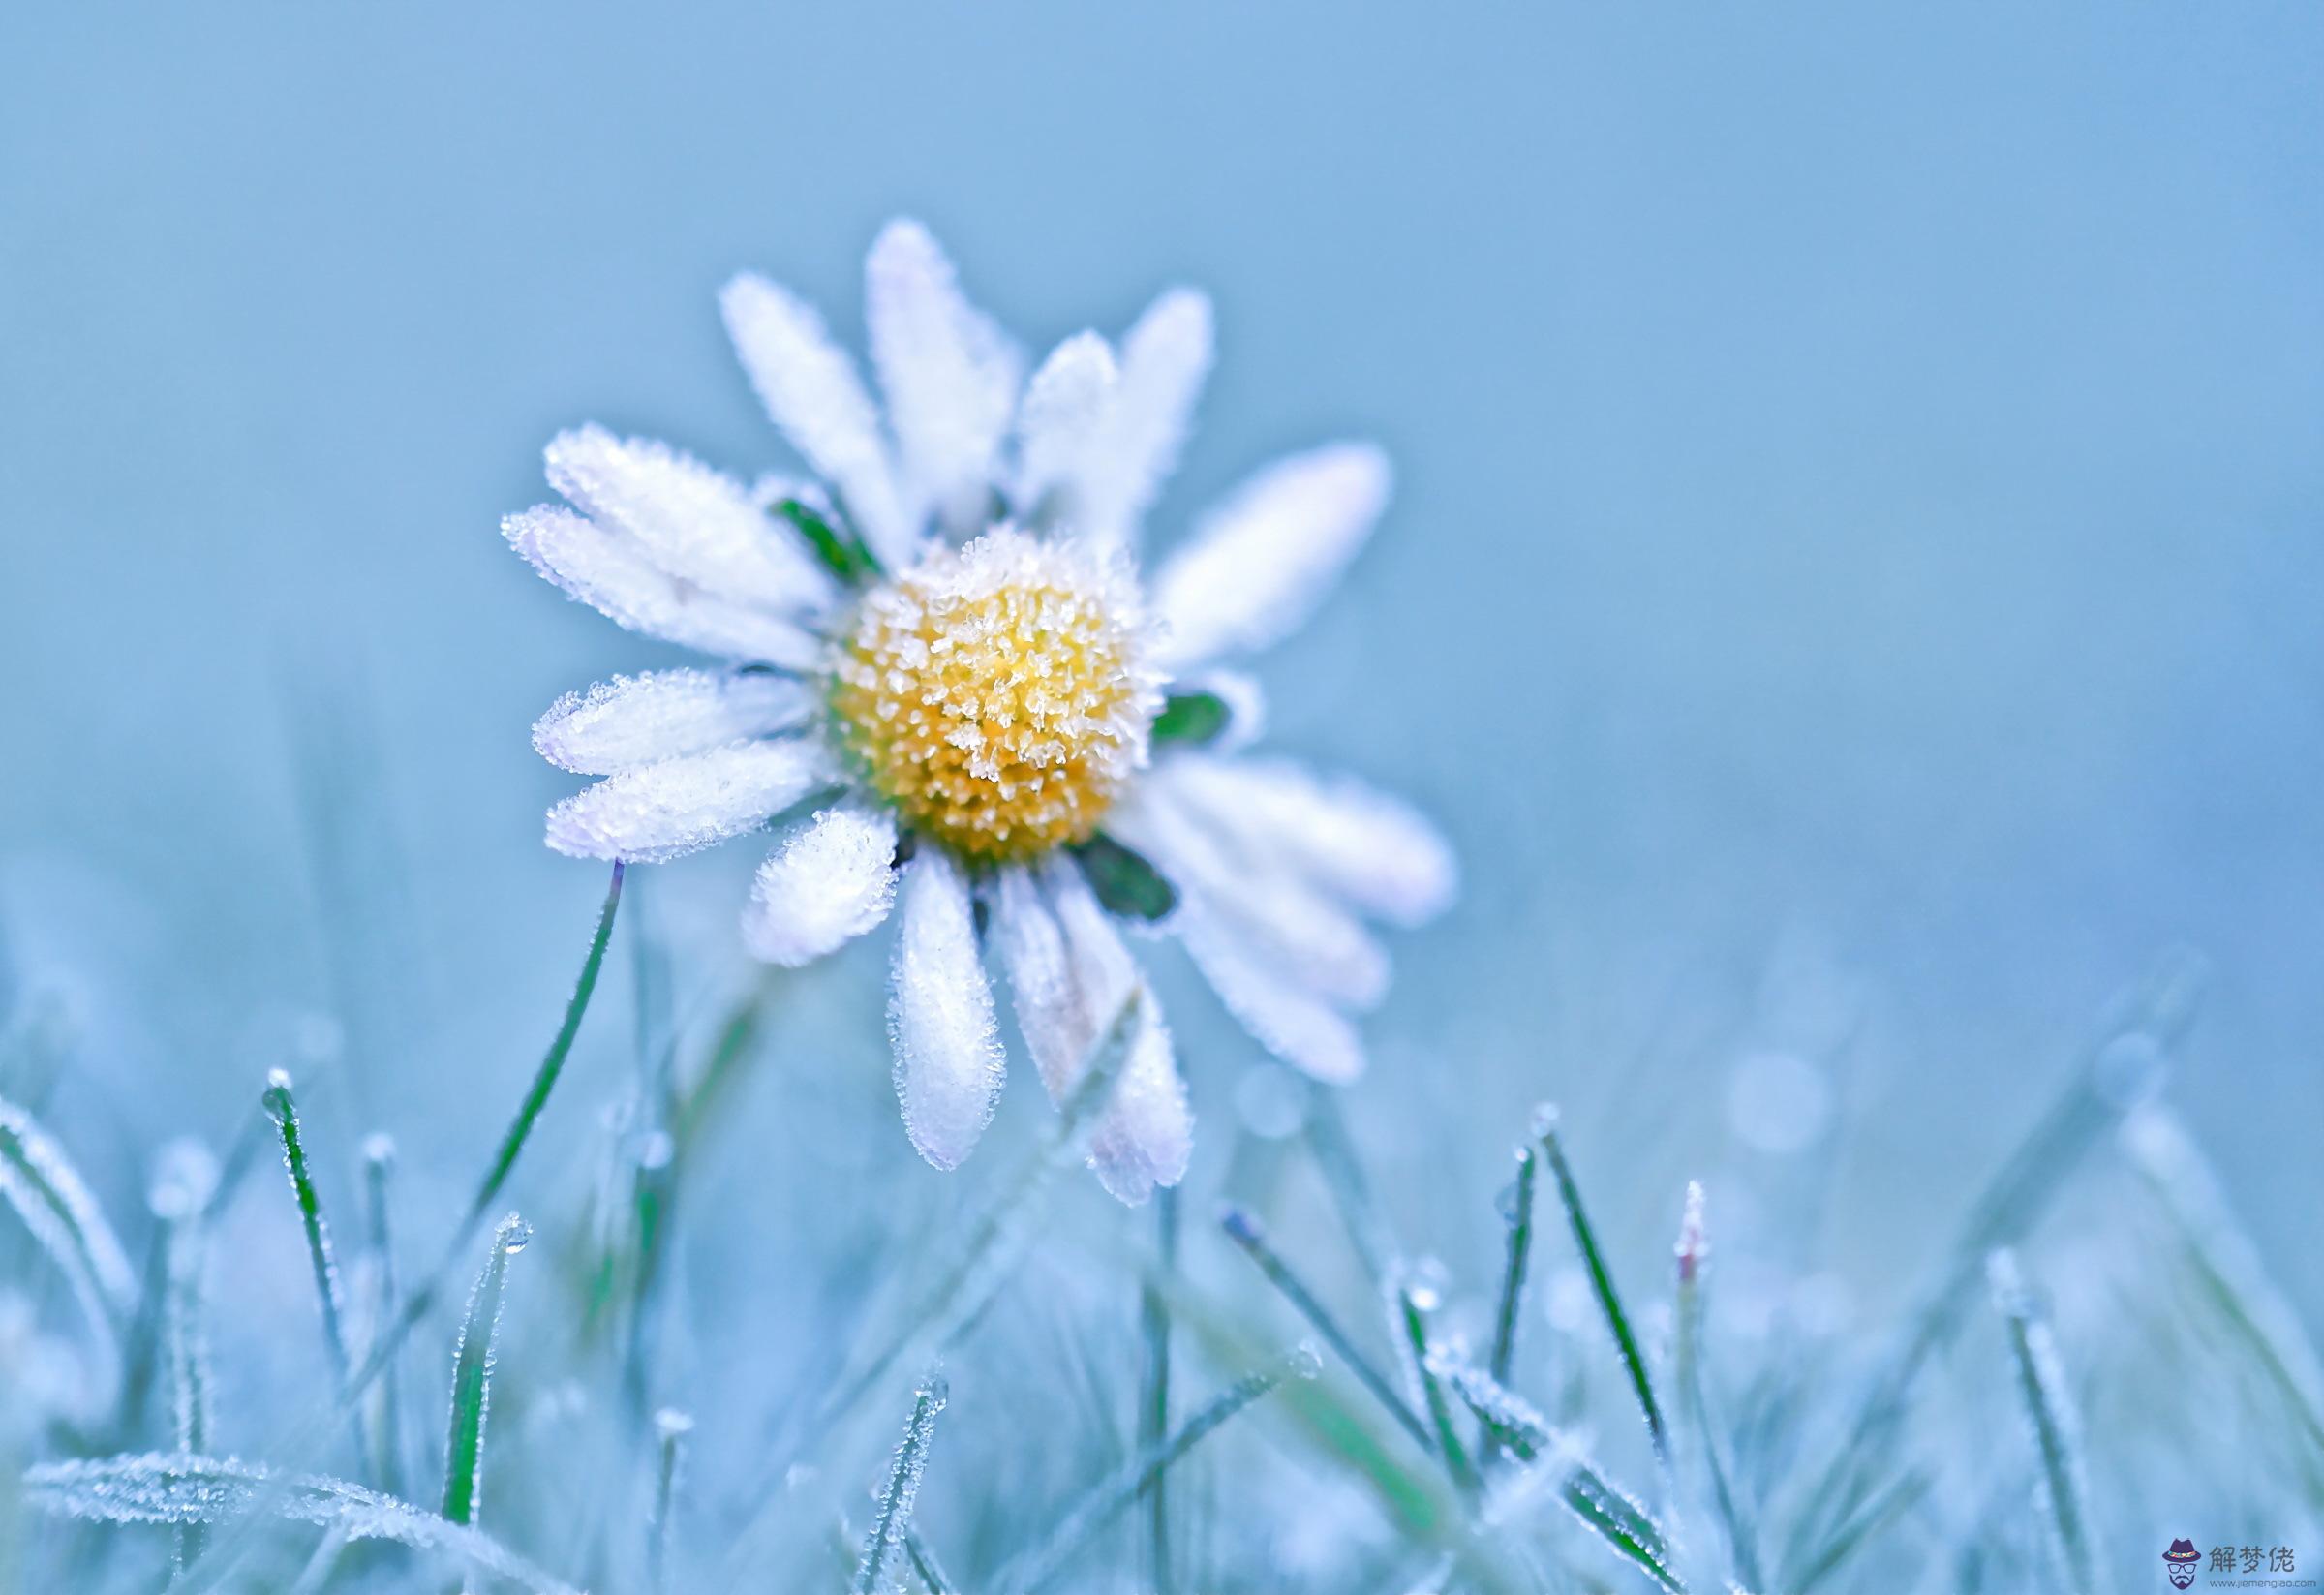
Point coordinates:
[[472, 1375], [895, 1517]]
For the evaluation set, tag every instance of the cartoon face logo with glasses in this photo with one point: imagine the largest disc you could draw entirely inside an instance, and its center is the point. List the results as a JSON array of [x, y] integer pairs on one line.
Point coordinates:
[[2180, 1561]]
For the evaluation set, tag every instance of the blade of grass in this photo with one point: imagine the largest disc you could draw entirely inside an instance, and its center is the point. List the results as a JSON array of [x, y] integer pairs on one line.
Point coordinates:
[[181, 1189], [1412, 1321], [316, 1573], [154, 1488], [386, 1395], [2049, 1410], [1244, 1231], [1115, 1495], [1517, 1214], [1885, 1507], [1698, 1438], [1560, 1466], [2234, 1282], [283, 1111], [54, 1203], [671, 1427], [903, 1485], [1601, 1282], [307, 1434], [1154, 1410], [925, 1564], [472, 1375], [1342, 1169]]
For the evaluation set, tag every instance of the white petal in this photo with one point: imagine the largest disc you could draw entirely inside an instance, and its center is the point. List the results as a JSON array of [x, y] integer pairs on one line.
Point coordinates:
[[681, 806], [830, 881], [948, 1057], [612, 575], [949, 374], [1051, 1005], [1147, 1134], [1258, 564], [809, 386], [1307, 937], [1299, 1028], [1164, 361], [692, 521], [1066, 406], [1359, 843], [639, 720]]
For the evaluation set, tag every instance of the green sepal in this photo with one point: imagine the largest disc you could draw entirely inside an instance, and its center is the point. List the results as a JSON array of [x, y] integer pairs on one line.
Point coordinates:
[[1124, 881], [1192, 718], [841, 552]]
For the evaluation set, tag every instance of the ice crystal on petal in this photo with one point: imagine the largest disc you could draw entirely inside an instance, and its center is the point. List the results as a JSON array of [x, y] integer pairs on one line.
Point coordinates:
[[830, 881], [612, 574], [639, 720], [656, 811], [948, 1057], [1256, 566], [1066, 408], [1163, 360]]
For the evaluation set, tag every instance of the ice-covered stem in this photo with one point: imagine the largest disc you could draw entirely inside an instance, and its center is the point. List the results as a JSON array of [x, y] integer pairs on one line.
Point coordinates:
[[1412, 1322], [1153, 1417], [472, 1375], [1698, 1460], [2049, 1410], [54, 1203], [1518, 1214], [1244, 1231], [1601, 1279], [903, 1485], [183, 1182]]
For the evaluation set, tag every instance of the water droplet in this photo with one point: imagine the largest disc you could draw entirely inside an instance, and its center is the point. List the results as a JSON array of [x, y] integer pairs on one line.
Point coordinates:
[[1304, 1360], [515, 1235]]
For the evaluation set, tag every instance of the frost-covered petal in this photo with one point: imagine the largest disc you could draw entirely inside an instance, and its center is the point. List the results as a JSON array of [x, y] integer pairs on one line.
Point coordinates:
[[829, 881], [693, 521], [612, 575], [661, 714], [1258, 564], [1067, 406], [1051, 1006], [1296, 1026], [1358, 842], [948, 1057], [811, 389], [1164, 361], [1147, 1134], [950, 374], [680, 806], [1304, 935]]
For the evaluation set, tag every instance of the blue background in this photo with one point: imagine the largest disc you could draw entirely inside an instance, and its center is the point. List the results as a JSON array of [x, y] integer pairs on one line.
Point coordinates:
[[1854, 583]]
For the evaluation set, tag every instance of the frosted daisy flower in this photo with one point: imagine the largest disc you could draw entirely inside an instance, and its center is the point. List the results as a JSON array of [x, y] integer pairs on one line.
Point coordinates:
[[946, 683]]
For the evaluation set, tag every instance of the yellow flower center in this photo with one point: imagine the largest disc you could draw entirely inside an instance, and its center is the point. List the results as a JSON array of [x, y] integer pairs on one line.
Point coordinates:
[[993, 694]]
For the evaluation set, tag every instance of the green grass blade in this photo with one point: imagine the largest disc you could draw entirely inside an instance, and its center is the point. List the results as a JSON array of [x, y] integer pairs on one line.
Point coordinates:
[[1601, 1284], [183, 1179], [2049, 1409], [54, 1203], [1517, 1216], [1113, 1495], [324, 1265], [924, 1563], [1557, 1465], [1244, 1231], [157, 1488], [316, 1573], [472, 1375], [1153, 1411], [552, 1062], [1883, 1509], [670, 1427], [1342, 1169], [895, 1517], [1412, 1321]]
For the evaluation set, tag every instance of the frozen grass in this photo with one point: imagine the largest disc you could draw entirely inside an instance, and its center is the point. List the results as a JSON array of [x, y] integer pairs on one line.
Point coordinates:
[[1118, 1409]]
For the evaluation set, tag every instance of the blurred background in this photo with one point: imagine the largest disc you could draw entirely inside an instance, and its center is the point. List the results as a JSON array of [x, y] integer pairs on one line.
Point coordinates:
[[1852, 593]]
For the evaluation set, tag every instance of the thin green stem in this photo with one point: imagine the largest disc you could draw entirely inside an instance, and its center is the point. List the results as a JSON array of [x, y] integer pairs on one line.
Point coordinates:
[[1601, 1284], [1154, 1410]]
